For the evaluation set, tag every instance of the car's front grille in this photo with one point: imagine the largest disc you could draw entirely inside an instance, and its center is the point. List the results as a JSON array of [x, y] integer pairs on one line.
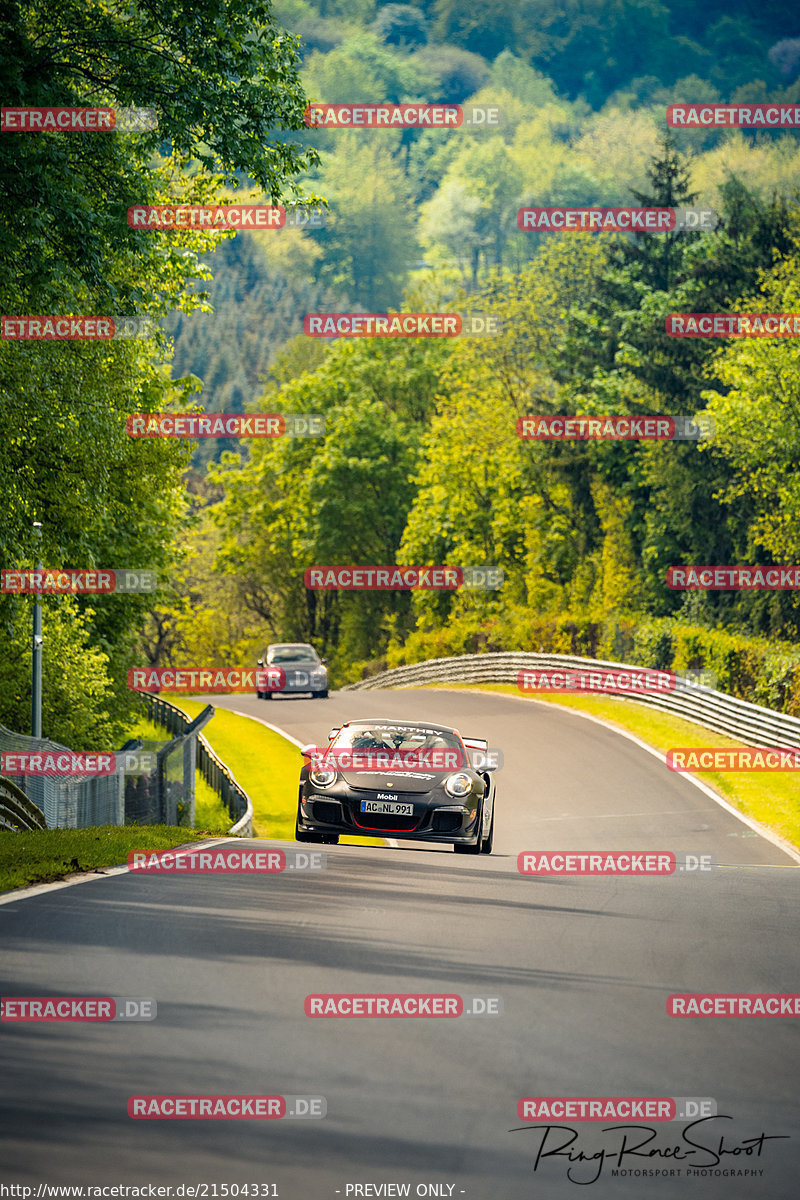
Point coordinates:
[[327, 811], [389, 822], [446, 822]]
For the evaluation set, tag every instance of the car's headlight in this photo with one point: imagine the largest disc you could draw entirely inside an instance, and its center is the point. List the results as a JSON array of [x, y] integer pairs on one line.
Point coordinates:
[[322, 778], [458, 785]]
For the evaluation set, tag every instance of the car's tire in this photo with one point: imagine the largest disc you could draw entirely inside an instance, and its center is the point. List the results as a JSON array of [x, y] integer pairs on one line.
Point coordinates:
[[259, 695], [488, 841], [266, 695], [462, 848], [320, 695], [325, 839]]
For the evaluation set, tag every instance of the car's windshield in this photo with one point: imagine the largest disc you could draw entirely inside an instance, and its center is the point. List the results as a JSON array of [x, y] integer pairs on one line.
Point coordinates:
[[285, 654], [377, 735]]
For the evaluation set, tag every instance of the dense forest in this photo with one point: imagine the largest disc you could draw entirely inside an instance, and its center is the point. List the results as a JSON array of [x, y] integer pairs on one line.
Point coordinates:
[[421, 462], [583, 89]]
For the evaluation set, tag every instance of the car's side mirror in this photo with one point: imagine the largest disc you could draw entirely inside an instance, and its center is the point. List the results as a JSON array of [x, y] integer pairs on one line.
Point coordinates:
[[260, 662], [323, 661]]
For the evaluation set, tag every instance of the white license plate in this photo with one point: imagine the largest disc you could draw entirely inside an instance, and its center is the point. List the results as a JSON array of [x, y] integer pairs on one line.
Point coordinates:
[[398, 807]]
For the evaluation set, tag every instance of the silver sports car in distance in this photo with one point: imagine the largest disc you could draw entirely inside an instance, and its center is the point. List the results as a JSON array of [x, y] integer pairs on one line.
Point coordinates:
[[292, 668]]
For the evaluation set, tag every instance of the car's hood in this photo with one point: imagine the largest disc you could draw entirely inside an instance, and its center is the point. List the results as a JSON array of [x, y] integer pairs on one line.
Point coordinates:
[[401, 782], [299, 665]]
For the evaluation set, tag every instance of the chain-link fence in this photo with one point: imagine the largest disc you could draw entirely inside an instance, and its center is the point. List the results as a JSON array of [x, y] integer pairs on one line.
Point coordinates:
[[150, 783], [68, 801]]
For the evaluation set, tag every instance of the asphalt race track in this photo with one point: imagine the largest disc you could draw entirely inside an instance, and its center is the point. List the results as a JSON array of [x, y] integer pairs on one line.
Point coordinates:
[[583, 967]]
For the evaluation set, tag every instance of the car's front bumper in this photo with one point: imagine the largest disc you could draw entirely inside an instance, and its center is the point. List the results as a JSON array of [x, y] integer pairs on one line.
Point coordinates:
[[430, 822]]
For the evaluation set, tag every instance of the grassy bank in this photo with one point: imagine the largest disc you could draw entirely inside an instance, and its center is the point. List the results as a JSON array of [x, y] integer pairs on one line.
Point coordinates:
[[771, 798], [262, 762], [209, 811], [43, 855], [266, 765]]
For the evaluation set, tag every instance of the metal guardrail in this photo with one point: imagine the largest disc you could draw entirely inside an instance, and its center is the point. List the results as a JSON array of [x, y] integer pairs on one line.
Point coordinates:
[[214, 771], [16, 810], [749, 723]]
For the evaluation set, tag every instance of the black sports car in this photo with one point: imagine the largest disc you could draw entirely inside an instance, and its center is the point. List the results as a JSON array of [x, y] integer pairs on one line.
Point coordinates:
[[402, 779]]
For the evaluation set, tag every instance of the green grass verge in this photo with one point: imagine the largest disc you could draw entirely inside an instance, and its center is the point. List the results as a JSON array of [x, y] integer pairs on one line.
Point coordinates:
[[265, 764], [43, 855], [209, 811], [770, 797], [262, 762]]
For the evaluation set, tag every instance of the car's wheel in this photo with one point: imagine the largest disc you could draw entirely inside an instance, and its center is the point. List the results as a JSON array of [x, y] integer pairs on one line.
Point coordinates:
[[320, 695], [488, 841], [259, 695], [462, 848], [266, 695], [325, 839]]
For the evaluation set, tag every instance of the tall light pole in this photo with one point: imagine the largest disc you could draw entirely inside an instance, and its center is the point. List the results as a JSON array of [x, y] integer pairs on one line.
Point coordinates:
[[36, 649]]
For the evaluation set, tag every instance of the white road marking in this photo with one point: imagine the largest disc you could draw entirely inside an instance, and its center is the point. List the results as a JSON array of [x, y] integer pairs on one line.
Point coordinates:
[[39, 889], [761, 830]]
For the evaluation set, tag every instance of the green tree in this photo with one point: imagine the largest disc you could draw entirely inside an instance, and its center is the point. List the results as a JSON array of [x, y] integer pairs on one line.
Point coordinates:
[[756, 405], [223, 79], [368, 242]]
